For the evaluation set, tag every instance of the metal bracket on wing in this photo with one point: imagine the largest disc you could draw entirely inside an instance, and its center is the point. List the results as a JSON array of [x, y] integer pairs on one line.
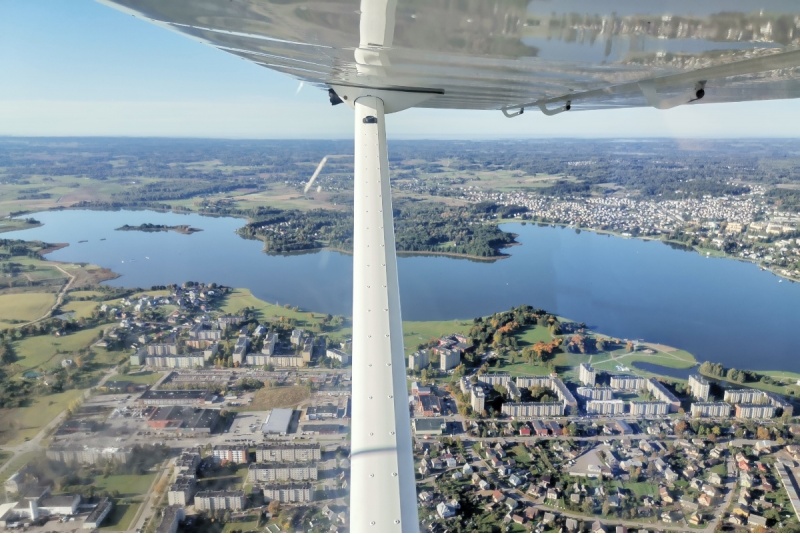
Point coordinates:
[[395, 98], [654, 99], [542, 106]]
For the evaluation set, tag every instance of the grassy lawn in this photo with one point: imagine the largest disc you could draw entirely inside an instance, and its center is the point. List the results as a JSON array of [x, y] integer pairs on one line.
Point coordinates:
[[239, 299], [127, 485], [24, 307], [146, 377], [417, 332], [18, 463], [241, 526], [640, 489], [86, 293], [40, 350], [81, 308], [533, 335], [720, 469], [120, 517], [283, 397], [21, 423]]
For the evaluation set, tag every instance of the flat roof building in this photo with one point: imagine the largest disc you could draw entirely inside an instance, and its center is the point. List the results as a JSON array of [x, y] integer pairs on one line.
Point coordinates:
[[433, 426], [278, 422]]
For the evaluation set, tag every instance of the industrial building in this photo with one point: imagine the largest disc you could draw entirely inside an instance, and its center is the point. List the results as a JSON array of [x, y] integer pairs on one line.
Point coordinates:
[[278, 422], [429, 426], [176, 397], [184, 419], [98, 514]]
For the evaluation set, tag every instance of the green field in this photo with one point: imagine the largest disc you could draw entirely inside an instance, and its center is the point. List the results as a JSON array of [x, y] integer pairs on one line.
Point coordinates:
[[127, 485], [242, 526], [120, 518], [26, 422], [86, 294], [24, 307], [418, 332], [147, 377], [18, 463], [81, 308], [48, 350]]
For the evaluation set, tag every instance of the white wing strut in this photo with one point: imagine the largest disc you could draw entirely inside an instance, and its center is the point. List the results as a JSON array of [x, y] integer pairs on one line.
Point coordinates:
[[383, 494]]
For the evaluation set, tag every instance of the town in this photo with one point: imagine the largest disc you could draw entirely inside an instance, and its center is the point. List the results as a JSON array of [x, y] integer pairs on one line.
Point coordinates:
[[231, 419], [745, 226]]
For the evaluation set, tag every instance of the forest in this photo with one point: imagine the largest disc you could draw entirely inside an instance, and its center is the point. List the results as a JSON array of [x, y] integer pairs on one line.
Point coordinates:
[[419, 226]]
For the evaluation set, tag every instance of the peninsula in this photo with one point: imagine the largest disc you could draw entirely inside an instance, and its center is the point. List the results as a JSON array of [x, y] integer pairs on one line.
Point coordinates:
[[149, 227]]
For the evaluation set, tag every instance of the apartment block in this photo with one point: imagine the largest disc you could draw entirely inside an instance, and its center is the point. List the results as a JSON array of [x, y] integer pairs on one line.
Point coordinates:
[[627, 382], [754, 411], [419, 360], [280, 452], [711, 409], [219, 500], [662, 394], [231, 453], [281, 472], [288, 493], [589, 393], [477, 400], [533, 409], [745, 396], [699, 386], [564, 394], [534, 381], [587, 375], [605, 407], [649, 409], [492, 379]]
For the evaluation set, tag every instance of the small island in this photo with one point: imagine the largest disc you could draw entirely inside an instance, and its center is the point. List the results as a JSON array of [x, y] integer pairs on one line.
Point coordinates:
[[149, 227]]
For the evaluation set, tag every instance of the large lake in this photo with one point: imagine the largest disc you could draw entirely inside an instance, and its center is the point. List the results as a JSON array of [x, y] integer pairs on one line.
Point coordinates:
[[718, 309]]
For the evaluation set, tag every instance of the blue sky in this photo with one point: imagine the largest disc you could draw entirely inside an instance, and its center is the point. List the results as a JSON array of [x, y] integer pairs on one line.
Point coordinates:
[[79, 68]]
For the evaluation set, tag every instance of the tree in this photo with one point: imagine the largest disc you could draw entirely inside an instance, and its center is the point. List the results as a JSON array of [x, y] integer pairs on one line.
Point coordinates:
[[680, 427], [762, 433]]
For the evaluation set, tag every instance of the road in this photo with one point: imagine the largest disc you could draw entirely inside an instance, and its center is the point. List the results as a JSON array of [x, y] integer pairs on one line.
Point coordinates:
[[34, 444], [146, 510], [59, 297]]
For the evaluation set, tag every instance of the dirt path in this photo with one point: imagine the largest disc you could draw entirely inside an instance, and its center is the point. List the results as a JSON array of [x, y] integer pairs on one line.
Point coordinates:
[[59, 297]]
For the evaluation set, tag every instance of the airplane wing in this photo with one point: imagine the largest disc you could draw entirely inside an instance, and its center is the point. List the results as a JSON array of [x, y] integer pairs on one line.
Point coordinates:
[[382, 56], [504, 54]]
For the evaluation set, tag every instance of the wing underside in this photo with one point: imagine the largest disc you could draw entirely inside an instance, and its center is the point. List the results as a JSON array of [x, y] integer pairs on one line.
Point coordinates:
[[509, 53]]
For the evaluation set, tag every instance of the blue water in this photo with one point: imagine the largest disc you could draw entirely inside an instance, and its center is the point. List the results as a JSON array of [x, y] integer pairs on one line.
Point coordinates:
[[718, 309]]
